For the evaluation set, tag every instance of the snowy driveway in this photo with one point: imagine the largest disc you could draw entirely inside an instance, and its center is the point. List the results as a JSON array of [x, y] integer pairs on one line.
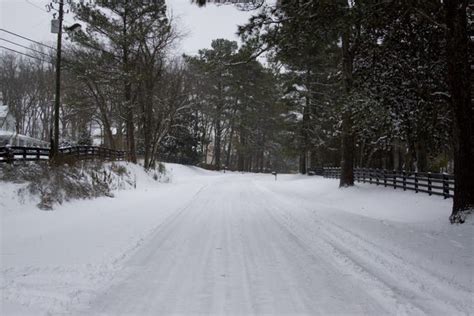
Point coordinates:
[[245, 244]]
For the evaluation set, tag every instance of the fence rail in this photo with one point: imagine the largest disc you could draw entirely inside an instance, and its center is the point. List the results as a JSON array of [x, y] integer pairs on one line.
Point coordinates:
[[426, 182], [11, 154]]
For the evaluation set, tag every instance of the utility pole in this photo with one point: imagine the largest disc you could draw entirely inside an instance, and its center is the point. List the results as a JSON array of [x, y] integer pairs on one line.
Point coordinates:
[[57, 102]]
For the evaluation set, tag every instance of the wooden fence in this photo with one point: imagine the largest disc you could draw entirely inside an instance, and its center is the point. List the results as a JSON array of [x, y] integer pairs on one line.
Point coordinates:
[[426, 182], [11, 154]]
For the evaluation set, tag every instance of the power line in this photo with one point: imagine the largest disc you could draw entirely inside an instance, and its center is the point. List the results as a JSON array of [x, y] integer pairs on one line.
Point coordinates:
[[27, 55], [26, 38], [26, 47], [34, 5]]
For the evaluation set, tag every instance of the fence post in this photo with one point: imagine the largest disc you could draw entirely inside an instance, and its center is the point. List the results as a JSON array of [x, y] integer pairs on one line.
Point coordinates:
[[429, 183], [370, 175], [416, 181], [10, 157], [445, 186], [394, 176], [384, 177], [377, 176], [404, 174]]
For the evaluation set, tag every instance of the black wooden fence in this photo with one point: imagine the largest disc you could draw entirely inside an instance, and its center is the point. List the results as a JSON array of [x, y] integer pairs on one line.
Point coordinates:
[[426, 182], [11, 154]]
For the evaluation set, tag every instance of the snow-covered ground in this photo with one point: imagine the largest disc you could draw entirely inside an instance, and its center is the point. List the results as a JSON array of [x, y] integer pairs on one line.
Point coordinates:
[[214, 243]]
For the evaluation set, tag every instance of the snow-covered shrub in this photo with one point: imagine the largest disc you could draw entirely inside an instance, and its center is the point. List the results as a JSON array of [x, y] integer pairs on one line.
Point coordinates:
[[82, 180], [159, 173]]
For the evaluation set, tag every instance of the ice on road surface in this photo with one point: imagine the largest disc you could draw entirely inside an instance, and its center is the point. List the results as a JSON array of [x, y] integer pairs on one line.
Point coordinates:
[[213, 243]]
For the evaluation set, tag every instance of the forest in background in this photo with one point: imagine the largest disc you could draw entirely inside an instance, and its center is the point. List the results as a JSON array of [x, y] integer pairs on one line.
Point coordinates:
[[350, 84]]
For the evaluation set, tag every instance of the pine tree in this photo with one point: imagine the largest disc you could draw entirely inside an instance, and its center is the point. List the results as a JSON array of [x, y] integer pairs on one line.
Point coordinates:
[[459, 87], [124, 31]]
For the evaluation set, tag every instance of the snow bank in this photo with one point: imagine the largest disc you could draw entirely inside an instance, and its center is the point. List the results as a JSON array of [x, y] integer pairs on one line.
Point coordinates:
[[366, 199], [181, 173], [51, 186], [52, 259]]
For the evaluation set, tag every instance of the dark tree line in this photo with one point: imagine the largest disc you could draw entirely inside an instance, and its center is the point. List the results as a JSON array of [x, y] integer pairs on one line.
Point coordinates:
[[387, 80], [237, 108], [364, 83]]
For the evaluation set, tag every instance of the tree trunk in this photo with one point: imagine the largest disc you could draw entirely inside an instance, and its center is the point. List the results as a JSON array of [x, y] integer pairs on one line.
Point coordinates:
[[240, 151], [347, 161], [421, 157], [347, 158], [261, 154], [217, 144], [314, 160], [229, 147], [104, 117], [303, 161], [305, 127], [396, 154], [248, 163], [130, 126], [459, 87], [129, 121], [147, 121]]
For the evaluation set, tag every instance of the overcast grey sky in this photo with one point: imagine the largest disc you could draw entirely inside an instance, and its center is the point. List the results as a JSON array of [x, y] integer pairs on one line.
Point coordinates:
[[29, 18]]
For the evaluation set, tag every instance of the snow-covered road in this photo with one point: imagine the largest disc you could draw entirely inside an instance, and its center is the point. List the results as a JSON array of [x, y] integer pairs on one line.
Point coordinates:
[[239, 248], [245, 244]]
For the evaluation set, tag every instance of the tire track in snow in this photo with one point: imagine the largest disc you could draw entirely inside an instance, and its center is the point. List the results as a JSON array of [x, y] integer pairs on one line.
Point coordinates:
[[375, 262], [344, 265], [320, 284], [238, 248], [257, 270], [398, 252], [135, 257]]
